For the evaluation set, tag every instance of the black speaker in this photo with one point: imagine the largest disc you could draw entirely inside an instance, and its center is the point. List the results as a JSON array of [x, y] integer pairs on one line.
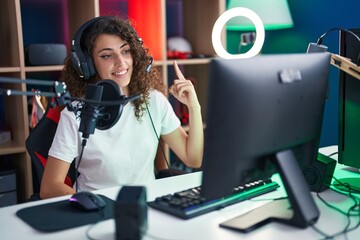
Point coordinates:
[[320, 173], [45, 54], [131, 213]]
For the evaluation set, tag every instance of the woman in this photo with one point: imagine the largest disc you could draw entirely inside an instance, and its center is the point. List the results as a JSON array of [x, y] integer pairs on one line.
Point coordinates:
[[125, 153]]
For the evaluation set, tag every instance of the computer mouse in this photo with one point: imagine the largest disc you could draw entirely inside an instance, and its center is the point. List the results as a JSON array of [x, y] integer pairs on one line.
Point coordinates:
[[87, 201]]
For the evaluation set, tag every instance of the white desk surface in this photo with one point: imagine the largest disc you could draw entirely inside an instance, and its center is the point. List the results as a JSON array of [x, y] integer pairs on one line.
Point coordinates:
[[164, 226]]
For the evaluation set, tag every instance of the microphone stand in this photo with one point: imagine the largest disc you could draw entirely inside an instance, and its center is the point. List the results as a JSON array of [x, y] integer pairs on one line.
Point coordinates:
[[89, 112], [88, 119]]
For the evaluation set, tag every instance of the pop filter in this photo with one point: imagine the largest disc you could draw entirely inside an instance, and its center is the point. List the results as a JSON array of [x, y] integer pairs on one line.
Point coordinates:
[[110, 114]]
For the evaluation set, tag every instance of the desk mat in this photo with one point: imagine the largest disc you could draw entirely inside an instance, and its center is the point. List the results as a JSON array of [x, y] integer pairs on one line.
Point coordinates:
[[61, 215]]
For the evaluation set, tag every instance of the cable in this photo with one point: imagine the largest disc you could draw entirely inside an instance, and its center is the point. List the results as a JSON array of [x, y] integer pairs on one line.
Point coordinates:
[[87, 232], [333, 207], [332, 154], [320, 39], [158, 138], [145, 232], [353, 211], [347, 186], [320, 232], [83, 144]]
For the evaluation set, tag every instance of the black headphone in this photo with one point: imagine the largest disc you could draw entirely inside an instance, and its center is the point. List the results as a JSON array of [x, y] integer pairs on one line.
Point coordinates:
[[81, 60]]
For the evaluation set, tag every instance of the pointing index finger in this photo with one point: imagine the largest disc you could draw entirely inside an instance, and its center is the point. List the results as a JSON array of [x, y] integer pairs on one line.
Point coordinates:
[[178, 72]]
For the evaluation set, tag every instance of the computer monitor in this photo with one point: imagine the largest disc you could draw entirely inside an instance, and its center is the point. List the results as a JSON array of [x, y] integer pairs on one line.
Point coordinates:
[[349, 111], [264, 115]]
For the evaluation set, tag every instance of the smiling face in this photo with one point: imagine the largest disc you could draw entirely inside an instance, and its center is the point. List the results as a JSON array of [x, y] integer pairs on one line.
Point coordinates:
[[113, 60]]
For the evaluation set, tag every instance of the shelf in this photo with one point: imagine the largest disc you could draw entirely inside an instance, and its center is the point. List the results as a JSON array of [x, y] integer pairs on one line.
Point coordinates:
[[24, 22], [194, 61], [9, 69], [11, 148], [189, 61], [44, 68]]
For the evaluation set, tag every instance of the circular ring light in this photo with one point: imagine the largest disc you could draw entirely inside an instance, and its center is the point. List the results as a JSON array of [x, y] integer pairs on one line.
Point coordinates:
[[220, 23]]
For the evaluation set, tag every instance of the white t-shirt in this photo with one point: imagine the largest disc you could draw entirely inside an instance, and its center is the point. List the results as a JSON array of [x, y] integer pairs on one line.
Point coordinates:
[[121, 155]]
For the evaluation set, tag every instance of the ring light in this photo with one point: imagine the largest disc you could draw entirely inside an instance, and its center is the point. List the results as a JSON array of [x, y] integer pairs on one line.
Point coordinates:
[[220, 23]]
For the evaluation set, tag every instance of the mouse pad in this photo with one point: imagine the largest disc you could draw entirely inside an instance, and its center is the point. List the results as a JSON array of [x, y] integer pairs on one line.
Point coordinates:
[[61, 215]]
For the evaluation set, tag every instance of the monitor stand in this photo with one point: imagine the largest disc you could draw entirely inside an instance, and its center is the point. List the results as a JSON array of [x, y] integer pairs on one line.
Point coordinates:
[[298, 210]]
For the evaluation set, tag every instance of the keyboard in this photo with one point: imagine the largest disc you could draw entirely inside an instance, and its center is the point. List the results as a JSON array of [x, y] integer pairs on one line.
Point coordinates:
[[189, 203]]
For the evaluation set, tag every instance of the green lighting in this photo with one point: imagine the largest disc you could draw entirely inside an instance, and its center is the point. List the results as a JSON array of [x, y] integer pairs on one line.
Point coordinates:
[[252, 28], [275, 14]]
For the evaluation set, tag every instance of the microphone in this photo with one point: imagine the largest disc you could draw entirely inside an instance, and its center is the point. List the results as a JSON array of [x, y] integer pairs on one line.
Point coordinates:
[[90, 111]]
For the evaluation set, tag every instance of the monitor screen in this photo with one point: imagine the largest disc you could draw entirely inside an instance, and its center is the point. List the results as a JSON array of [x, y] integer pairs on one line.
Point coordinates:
[[258, 108], [349, 109]]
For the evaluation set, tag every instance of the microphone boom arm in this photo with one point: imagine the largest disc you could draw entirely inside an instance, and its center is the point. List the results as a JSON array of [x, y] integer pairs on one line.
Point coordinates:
[[89, 113], [60, 92]]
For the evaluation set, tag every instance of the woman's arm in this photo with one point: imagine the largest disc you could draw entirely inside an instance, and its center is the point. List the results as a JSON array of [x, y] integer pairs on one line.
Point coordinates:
[[160, 158], [187, 146], [52, 183]]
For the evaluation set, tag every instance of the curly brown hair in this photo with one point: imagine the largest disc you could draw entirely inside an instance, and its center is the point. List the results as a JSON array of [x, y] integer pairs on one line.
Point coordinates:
[[141, 81]]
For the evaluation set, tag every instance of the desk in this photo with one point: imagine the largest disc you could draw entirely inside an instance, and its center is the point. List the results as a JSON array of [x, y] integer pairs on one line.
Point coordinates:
[[164, 226]]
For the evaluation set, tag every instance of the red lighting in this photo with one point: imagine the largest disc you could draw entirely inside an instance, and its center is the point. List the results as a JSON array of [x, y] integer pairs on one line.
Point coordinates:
[[146, 15]]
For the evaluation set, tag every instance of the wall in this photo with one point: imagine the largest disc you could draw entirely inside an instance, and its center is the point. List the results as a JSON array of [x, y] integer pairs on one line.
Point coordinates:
[[311, 20]]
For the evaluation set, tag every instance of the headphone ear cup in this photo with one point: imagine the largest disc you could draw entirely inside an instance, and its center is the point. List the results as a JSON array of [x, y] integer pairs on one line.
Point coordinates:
[[76, 61], [83, 63], [89, 66], [80, 59]]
